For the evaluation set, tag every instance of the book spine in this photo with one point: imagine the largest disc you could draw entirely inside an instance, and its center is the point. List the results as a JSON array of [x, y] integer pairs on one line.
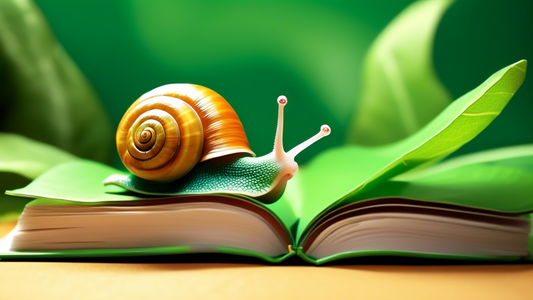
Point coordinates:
[[302, 255]]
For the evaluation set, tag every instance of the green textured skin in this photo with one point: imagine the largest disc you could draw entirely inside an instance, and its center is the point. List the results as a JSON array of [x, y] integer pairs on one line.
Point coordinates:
[[248, 176]]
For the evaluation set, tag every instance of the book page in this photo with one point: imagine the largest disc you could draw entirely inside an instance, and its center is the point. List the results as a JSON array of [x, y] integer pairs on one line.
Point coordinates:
[[204, 224], [420, 233], [328, 178], [289, 207], [391, 226]]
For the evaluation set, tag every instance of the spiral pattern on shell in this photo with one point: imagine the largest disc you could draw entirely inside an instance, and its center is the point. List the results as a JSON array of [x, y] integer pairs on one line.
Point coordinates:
[[168, 130]]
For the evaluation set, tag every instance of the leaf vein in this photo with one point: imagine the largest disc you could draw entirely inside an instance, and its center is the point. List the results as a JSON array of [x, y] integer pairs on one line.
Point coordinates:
[[499, 93], [523, 70], [495, 113]]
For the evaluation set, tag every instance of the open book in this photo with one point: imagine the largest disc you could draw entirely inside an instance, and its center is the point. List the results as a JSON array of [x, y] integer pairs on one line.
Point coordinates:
[[348, 202]]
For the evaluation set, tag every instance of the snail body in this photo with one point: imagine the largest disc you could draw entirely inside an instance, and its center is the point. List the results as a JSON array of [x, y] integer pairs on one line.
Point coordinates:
[[184, 139]]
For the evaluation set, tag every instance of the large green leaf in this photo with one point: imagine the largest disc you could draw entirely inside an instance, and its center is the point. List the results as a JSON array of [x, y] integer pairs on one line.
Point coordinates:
[[401, 92], [80, 180], [500, 179], [341, 173], [44, 95], [22, 159]]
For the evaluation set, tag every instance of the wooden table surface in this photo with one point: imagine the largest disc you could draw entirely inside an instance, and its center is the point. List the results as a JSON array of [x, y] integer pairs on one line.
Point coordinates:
[[255, 280]]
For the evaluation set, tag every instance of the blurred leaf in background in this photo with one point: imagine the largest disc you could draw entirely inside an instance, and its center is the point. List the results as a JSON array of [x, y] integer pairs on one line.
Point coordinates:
[[401, 92], [45, 99], [44, 95]]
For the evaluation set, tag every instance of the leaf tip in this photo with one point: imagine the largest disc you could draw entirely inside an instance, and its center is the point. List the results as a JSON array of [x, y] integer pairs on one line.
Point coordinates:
[[521, 65]]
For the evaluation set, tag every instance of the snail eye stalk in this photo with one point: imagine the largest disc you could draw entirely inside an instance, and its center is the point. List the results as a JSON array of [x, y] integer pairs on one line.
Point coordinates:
[[279, 152], [325, 130], [278, 141], [287, 158]]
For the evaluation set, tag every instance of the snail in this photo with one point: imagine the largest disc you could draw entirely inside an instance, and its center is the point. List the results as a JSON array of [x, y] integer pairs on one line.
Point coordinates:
[[185, 139]]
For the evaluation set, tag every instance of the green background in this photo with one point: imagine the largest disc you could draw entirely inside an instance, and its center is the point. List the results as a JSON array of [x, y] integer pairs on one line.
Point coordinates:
[[312, 52]]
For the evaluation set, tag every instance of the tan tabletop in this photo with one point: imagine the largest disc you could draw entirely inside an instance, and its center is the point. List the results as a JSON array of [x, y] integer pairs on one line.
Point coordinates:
[[76, 280]]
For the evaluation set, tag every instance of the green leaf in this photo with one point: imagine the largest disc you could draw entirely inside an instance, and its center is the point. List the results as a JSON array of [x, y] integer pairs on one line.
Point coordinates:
[[29, 158], [80, 180], [341, 173], [22, 159], [499, 179], [401, 92], [44, 95]]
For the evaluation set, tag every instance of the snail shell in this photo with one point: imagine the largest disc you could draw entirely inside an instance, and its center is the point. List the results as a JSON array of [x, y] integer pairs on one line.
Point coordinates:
[[168, 130]]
